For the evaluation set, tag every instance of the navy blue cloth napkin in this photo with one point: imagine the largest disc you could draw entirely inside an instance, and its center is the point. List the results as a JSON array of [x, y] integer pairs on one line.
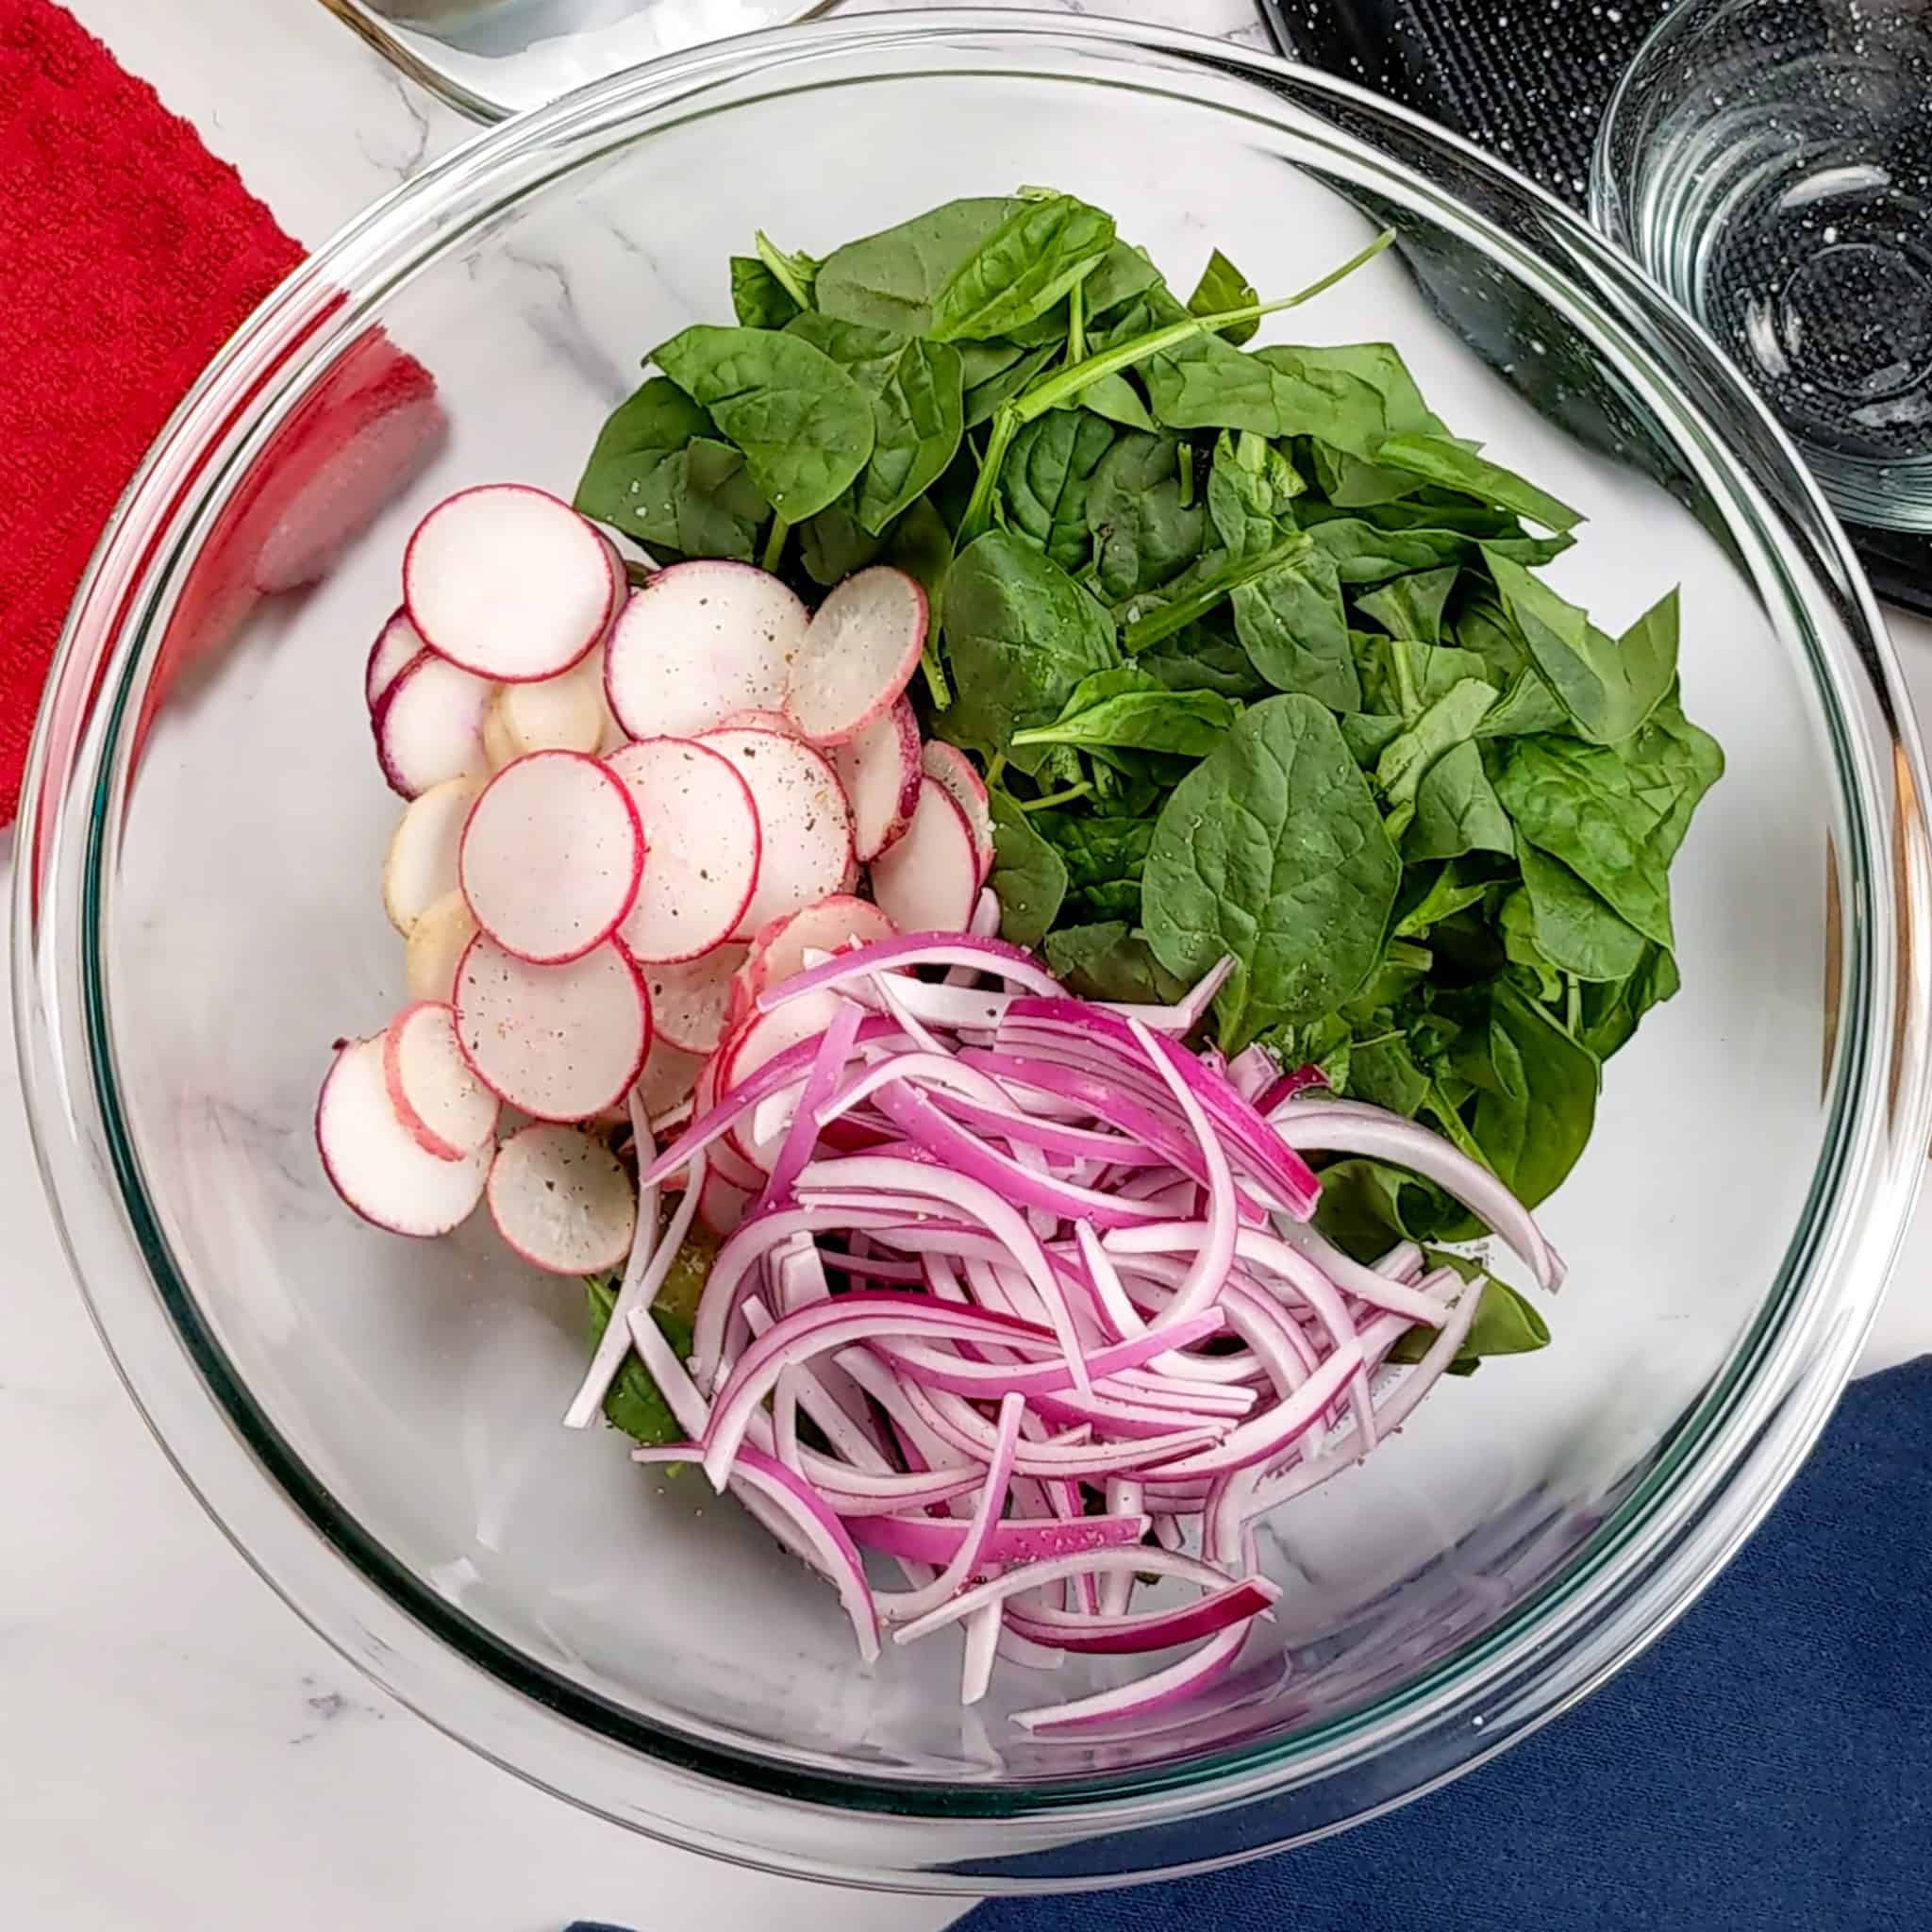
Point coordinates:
[[1767, 1765]]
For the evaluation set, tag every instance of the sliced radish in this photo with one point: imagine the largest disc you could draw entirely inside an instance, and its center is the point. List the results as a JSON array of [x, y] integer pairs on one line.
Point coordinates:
[[722, 1205], [552, 855], [563, 1201], [805, 823], [397, 645], [689, 998], [669, 1078], [929, 880], [563, 713], [446, 1109], [509, 582], [879, 769], [699, 642], [779, 950], [421, 867], [701, 830], [376, 1164], [755, 720], [763, 1037], [436, 946], [967, 789], [858, 655], [428, 726], [561, 1042]]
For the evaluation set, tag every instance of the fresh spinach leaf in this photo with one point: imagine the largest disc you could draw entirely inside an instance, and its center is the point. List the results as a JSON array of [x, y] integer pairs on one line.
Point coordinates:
[[1020, 634], [1456, 810], [1251, 487], [1028, 876], [1613, 1010], [1201, 658], [1223, 286], [1412, 607], [835, 543], [1536, 1100], [984, 398], [804, 424], [1505, 1323], [1447, 893], [1020, 269], [634, 1403], [1109, 960], [1143, 533], [1384, 1073], [1449, 720], [1577, 931], [1609, 687], [1441, 460], [1294, 629], [1046, 479], [891, 279], [1272, 850], [1134, 711], [759, 298]]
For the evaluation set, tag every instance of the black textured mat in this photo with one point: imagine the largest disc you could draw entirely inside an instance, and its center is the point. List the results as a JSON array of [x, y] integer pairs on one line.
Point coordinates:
[[1530, 80]]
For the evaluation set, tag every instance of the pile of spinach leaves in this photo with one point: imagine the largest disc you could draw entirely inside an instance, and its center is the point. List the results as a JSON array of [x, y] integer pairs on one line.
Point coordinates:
[[1251, 647]]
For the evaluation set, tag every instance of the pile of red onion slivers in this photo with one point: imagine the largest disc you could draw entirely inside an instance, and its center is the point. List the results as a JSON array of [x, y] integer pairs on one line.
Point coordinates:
[[1042, 1281]]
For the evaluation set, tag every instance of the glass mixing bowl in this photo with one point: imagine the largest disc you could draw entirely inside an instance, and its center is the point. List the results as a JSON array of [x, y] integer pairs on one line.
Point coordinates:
[[376, 1421]]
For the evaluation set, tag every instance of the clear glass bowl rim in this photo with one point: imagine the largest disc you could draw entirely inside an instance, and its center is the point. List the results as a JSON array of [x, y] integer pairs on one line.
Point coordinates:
[[1644, 1565]]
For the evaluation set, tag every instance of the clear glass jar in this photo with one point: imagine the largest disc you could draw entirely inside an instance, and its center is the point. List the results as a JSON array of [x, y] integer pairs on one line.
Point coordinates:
[[375, 1421]]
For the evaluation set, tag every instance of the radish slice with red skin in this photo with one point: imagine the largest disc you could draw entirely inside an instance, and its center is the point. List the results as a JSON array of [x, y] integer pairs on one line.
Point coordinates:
[[552, 857], [698, 643], [754, 719], [779, 948], [510, 582], [880, 771], [428, 726], [421, 867], [436, 945], [701, 832], [563, 1201], [376, 1164], [722, 1205], [804, 822], [397, 645], [448, 1111], [929, 880], [858, 655], [561, 1042], [953, 769], [689, 998]]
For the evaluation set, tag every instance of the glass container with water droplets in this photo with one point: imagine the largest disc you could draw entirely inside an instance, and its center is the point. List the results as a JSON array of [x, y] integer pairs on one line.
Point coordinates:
[[1770, 161]]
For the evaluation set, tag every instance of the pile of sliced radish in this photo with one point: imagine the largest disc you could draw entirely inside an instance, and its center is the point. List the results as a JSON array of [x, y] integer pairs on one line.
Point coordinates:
[[630, 815]]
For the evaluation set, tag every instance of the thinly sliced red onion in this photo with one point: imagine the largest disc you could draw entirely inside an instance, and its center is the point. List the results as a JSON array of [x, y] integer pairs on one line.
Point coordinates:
[[993, 956], [966, 1432], [1124, 1497], [983, 1632], [983, 925], [1347, 1127], [1122, 1635], [803, 1507], [1271, 1435], [801, 1138], [987, 1381], [1209, 1271], [1288, 1086], [1380, 1286], [975, 1550], [1251, 1070], [1147, 1696], [862, 1316], [1032, 1577], [1029, 1539]]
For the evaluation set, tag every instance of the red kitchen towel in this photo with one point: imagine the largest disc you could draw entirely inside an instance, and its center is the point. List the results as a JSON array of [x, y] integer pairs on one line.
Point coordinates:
[[128, 254]]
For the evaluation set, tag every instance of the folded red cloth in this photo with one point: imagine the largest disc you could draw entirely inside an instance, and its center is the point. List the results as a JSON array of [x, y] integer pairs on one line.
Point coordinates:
[[131, 255]]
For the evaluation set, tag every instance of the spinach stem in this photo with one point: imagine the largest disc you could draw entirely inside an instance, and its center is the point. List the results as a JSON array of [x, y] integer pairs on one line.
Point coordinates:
[[935, 676], [1184, 465], [1077, 322], [782, 271], [1065, 797], [1166, 620], [1059, 391], [775, 542], [995, 765], [1406, 693], [1573, 1003]]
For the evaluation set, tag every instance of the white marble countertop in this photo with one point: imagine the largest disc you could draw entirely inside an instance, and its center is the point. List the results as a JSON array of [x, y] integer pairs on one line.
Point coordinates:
[[181, 1752]]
